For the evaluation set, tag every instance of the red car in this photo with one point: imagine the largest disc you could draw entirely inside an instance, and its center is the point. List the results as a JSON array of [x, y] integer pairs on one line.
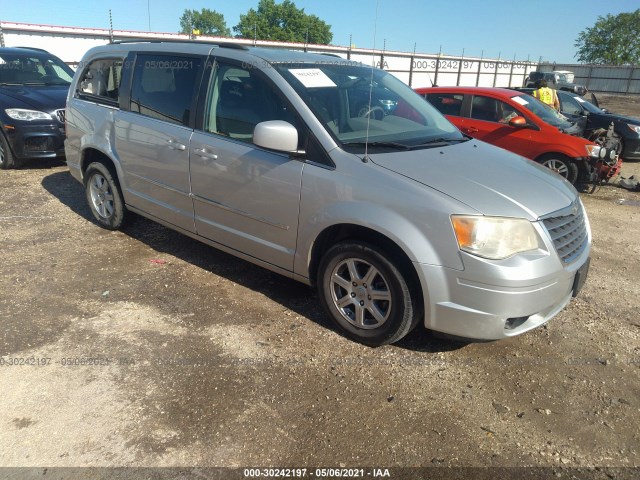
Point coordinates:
[[516, 122]]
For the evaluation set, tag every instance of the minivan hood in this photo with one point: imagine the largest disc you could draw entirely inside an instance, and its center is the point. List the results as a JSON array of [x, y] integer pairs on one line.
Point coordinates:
[[488, 179], [45, 98]]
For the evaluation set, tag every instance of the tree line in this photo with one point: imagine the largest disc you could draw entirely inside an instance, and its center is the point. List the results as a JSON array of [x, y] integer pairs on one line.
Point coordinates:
[[613, 40], [270, 21]]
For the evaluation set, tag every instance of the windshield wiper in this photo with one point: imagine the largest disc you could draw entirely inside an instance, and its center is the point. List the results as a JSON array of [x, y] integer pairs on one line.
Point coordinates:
[[396, 145], [434, 142]]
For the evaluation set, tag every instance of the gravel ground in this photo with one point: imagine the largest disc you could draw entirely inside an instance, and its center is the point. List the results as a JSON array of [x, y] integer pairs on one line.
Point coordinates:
[[144, 348]]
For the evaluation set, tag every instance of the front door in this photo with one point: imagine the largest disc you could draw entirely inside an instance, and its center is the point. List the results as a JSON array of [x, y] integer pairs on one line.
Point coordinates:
[[489, 121], [245, 197]]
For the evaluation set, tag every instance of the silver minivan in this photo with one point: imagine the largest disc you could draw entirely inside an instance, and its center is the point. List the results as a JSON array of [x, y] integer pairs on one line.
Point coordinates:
[[333, 173]]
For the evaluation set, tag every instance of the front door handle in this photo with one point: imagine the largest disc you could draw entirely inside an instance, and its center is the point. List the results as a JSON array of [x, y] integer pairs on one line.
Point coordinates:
[[204, 153], [174, 145], [470, 129]]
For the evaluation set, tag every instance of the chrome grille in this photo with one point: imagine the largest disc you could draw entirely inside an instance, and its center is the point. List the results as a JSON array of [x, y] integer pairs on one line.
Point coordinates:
[[60, 114], [568, 230]]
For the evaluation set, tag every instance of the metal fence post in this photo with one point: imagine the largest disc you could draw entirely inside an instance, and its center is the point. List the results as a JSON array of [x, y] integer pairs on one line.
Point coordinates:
[[630, 78], [479, 69], [460, 68]]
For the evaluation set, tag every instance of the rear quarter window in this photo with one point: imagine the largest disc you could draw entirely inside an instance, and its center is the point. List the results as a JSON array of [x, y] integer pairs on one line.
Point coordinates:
[[100, 81]]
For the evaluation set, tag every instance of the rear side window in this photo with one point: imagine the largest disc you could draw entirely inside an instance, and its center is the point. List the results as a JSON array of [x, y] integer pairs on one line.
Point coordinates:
[[163, 87], [446, 103], [100, 81]]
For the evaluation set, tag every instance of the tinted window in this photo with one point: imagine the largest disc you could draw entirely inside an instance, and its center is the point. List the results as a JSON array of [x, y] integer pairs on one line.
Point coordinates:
[[163, 86], [239, 99], [446, 103], [101, 80]]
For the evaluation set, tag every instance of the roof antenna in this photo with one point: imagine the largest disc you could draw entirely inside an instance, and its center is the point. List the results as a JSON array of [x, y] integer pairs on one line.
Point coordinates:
[[110, 27], [365, 159]]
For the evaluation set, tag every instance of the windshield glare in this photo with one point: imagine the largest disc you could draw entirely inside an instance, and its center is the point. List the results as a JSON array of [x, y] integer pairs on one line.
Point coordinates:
[[543, 111], [358, 104], [28, 69]]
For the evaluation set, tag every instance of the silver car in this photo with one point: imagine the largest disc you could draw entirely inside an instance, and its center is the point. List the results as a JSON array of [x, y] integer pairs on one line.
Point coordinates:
[[398, 219]]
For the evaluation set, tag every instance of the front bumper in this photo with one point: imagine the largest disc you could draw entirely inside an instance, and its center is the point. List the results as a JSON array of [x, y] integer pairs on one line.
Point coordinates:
[[491, 300], [30, 141]]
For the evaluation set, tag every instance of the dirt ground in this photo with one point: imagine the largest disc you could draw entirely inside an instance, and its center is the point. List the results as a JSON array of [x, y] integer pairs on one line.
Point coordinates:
[[145, 348]]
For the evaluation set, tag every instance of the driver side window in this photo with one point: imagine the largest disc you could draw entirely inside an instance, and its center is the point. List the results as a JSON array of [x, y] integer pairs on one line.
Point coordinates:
[[239, 99]]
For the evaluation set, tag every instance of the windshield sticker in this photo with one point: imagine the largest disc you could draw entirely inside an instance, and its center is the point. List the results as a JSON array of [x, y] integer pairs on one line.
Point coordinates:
[[520, 100], [312, 77], [580, 99]]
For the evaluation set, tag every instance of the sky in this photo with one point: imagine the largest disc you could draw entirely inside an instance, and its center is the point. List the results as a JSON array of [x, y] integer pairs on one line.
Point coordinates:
[[505, 29]]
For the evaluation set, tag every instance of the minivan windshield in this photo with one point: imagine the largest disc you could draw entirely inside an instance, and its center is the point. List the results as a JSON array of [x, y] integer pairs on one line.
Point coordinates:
[[361, 105], [542, 111], [33, 69]]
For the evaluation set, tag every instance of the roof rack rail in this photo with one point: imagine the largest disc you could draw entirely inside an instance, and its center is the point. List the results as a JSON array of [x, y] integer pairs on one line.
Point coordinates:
[[237, 46]]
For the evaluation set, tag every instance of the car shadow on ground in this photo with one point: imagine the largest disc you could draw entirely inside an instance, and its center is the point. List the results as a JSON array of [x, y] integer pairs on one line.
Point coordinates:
[[291, 294]]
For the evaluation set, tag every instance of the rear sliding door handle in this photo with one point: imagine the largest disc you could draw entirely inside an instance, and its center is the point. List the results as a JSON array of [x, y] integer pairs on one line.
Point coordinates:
[[176, 145], [204, 153]]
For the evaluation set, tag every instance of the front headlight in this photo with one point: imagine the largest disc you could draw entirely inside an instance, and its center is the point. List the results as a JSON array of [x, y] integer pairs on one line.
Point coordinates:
[[27, 115], [635, 128], [593, 150], [495, 238]]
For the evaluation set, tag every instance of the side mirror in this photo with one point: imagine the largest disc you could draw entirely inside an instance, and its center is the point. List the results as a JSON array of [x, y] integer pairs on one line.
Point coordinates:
[[276, 135], [518, 122]]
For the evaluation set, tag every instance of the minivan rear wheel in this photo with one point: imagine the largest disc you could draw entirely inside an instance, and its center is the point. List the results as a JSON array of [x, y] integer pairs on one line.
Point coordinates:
[[104, 196], [366, 294], [562, 165]]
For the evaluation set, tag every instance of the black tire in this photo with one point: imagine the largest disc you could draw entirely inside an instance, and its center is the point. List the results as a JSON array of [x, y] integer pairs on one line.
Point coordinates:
[[562, 165], [104, 196], [360, 315], [7, 160], [620, 148]]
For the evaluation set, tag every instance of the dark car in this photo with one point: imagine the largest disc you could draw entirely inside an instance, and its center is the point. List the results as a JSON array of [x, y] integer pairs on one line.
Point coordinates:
[[627, 128], [33, 91], [555, 80]]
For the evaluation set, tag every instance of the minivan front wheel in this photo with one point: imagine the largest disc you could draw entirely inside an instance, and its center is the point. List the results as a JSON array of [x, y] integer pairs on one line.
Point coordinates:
[[104, 196], [366, 294], [562, 165]]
